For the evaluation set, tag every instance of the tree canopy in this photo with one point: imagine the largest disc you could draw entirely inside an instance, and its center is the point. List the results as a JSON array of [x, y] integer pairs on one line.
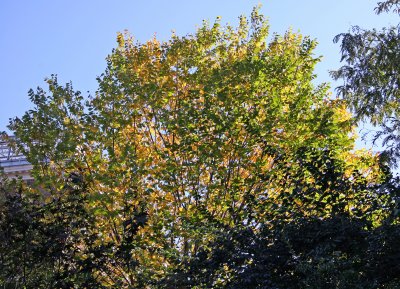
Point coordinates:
[[216, 139], [371, 77]]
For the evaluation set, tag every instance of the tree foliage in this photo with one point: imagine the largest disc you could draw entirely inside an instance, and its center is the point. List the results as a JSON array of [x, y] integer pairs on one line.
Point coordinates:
[[371, 77], [388, 5], [46, 245], [213, 137], [310, 253]]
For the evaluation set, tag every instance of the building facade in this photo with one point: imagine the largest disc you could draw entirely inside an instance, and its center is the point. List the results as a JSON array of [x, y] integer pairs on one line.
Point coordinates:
[[13, 163]]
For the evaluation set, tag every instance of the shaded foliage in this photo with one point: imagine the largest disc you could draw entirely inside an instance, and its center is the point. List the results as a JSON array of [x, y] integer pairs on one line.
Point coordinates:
[[337, 252], [56, 244], [42, 245]]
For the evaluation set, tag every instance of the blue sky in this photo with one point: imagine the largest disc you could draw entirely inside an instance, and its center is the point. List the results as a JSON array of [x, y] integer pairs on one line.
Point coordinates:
[[72, 38]]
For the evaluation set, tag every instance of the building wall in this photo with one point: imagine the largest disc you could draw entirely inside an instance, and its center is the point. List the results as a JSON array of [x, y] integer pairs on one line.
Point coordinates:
[[14, 164]]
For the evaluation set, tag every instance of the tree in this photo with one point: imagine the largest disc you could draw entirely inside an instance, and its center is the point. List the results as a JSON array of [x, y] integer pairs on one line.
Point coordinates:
[[312, 238], [337, 252], [371, 77], [195, 135], [46, 245]]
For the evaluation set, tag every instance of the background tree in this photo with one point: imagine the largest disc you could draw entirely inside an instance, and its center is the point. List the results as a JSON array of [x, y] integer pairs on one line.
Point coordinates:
[[371, 77]]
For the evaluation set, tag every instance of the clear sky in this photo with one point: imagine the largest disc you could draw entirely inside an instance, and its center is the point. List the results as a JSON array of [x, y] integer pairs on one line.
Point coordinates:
[[72, 38]]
